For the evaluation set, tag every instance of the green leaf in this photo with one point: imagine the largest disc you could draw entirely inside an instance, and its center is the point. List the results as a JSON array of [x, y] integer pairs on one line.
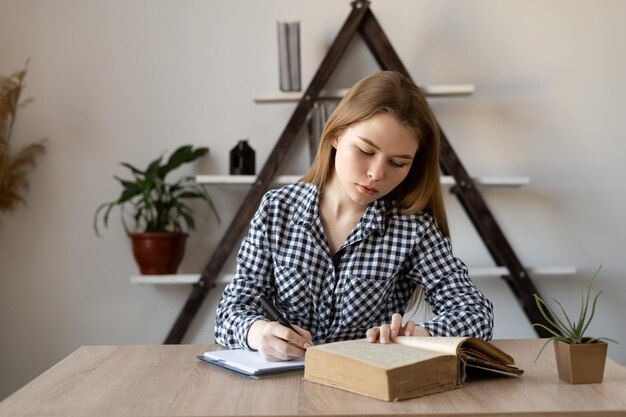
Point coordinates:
[[543, 306], [153, 169], [133, 169], [542, 349], [182, 155], [570, 325]]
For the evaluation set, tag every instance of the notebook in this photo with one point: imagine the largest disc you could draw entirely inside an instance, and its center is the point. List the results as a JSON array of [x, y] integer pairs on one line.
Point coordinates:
[[250, 363]]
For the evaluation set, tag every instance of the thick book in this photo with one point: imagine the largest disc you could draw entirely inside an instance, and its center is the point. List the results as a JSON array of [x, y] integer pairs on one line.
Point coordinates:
[[409, 367], [250, 363]]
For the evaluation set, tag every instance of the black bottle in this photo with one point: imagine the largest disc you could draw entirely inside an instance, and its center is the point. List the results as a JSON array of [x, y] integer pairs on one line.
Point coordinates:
[[242, 159]]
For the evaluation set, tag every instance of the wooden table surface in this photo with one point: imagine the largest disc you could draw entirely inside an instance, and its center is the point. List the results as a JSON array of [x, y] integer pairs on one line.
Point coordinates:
[[168, 380]]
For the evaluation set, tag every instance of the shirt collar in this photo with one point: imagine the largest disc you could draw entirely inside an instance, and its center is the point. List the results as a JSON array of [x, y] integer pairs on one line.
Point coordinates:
[[308, 208], [308, 211]]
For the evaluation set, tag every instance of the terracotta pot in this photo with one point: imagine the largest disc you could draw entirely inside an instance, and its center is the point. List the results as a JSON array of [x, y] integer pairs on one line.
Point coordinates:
[[158, 253], [581, 363]]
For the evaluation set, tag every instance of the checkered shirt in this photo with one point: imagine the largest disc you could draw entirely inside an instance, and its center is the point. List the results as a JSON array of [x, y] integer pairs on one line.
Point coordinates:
[[286, 257]]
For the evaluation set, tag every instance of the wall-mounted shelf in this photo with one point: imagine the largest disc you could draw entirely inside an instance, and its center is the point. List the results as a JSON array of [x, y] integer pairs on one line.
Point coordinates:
[[444, 90], [498, 271], [489, 181], [174, 279], [495, 271]]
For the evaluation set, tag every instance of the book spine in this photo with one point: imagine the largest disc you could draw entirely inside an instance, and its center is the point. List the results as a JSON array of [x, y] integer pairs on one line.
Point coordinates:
[[290, 77], [294, 56], [283, 56]]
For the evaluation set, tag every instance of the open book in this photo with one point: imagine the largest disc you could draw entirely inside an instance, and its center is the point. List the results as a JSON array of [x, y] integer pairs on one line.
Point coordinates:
[[409, 367]]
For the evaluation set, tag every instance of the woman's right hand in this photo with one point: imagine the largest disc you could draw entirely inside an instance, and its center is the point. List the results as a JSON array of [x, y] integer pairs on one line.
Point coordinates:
[[276, 342]]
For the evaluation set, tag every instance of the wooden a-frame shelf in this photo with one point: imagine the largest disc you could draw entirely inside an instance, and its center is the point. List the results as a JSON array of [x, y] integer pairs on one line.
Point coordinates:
[[361, 21]]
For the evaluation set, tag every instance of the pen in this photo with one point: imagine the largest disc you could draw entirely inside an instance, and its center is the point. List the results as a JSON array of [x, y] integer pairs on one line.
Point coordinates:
[[273, 313]]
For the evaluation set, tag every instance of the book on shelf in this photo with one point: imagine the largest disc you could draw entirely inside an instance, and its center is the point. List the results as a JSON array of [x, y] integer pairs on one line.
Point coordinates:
[[289, 56], [410, 366], [319, 115]]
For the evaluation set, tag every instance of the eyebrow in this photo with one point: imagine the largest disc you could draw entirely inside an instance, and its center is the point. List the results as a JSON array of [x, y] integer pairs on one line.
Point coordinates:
[[370, 143]]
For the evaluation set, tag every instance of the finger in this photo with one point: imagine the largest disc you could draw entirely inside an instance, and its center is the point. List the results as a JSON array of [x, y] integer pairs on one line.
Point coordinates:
[[385, 333], [293, 337], [301, 341], [305, 339], [372, 334], [409, 328], [275, 343], [420, 331], [396, 323], [280, 352]]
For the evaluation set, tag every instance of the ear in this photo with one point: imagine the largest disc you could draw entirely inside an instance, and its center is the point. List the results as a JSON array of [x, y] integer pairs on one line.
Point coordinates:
[[334, 141]]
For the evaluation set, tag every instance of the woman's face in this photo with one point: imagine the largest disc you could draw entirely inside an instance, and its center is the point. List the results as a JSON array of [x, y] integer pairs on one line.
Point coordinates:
[[373, 157]]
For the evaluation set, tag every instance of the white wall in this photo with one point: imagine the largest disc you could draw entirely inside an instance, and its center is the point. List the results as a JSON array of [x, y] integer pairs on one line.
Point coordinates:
[[126, 80]]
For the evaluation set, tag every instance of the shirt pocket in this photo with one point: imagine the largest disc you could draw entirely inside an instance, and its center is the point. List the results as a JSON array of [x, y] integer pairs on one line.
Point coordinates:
[[293, 294], [362, 301]]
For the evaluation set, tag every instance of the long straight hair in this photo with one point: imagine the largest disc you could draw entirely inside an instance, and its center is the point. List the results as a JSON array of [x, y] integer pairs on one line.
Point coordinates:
[[391, 92]]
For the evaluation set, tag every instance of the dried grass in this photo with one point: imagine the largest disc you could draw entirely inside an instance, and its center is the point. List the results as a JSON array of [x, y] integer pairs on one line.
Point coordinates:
[[14, 166]]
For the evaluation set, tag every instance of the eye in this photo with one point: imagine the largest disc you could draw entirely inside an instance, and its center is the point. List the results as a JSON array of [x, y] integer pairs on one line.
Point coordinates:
[[364, 152], [397, 164]]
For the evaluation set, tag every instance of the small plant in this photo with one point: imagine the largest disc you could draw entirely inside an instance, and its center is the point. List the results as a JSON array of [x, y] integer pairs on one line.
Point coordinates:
[[14, 166], [158, 205], [562, 327]]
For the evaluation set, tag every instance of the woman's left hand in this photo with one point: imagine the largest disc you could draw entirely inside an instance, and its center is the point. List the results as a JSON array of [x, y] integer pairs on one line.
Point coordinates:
[[386, 332]]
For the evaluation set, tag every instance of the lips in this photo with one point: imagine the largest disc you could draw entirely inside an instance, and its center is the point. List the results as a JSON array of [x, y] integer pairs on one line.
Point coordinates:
[[367, 190]]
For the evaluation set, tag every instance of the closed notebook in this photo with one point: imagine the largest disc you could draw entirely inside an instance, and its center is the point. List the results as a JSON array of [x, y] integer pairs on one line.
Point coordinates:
[[250, 363]]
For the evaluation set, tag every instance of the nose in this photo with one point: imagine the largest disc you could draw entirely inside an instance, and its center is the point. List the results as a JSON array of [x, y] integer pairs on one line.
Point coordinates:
[[375, 171]]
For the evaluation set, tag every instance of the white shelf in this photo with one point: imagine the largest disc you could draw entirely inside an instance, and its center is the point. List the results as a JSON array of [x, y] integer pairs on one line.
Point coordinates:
[[242, 179], [491, 181], [444, 90], [225, 278], [174, 279], [498, 271]]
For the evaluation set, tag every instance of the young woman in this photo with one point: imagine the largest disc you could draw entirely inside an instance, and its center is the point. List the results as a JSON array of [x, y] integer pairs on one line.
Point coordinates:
[[362, 237]]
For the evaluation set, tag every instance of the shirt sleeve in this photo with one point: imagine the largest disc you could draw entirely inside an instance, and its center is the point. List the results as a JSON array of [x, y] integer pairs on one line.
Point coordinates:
[[459, 308], [238, 307]]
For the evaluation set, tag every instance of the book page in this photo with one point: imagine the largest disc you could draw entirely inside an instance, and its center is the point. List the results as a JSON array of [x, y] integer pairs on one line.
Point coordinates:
[[493, 367], [464, 346], [387, 356], [480, 349], [447, 345]]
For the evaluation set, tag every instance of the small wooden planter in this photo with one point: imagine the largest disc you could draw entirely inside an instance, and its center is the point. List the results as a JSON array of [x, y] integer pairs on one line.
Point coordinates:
[[158, 253], [581, 363]]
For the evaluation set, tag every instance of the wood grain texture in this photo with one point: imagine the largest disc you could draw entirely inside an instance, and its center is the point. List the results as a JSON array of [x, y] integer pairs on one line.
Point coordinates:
[[168, 380]]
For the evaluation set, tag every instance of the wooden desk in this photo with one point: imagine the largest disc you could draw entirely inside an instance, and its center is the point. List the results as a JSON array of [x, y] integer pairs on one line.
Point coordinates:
[[167, 380]]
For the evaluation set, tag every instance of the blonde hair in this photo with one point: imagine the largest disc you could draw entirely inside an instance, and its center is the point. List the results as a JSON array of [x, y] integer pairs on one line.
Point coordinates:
[[390, 92]]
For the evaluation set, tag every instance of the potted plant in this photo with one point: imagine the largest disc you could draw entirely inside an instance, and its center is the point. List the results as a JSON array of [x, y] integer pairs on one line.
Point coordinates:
[[580, 359], [159, 210]]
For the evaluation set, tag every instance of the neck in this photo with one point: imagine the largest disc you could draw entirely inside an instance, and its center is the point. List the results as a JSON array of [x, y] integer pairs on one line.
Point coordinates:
[[336, 202]]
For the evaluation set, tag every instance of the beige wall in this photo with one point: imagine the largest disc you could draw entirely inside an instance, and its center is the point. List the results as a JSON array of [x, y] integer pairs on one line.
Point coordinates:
[[126, 80]]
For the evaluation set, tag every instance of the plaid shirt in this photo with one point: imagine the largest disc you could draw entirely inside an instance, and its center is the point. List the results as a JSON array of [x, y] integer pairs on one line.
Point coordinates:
[[286, 257]]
